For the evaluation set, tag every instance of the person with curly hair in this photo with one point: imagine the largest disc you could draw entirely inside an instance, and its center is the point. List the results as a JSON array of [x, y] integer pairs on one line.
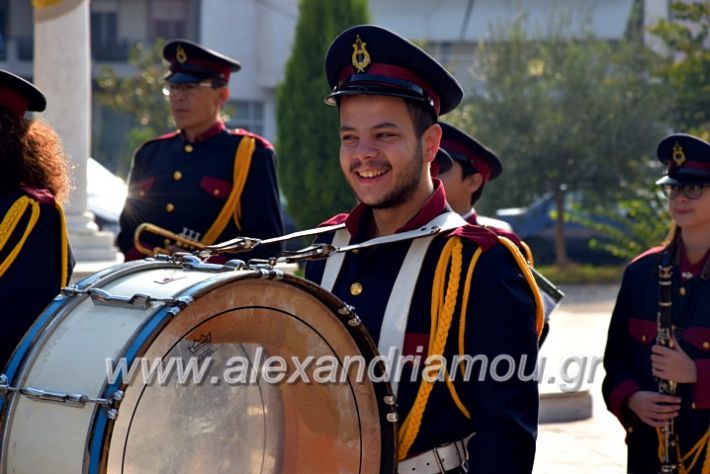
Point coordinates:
[[35, 258]]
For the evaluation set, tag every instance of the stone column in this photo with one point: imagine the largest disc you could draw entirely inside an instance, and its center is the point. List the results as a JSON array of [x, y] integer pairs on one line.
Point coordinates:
[[62, 70]]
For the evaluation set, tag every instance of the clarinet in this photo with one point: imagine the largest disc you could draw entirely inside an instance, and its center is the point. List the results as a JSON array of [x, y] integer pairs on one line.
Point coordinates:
[[664, 337]]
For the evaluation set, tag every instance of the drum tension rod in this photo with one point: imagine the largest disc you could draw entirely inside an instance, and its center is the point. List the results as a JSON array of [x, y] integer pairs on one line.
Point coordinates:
[[138, 301], [70, 399]]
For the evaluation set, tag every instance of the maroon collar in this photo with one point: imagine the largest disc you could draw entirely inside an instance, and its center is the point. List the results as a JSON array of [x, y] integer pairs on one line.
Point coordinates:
[[689, 270], [435, 205], [207, 134]]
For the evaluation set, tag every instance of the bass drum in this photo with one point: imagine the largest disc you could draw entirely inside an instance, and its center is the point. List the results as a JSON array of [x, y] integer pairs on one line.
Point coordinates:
[[169, 366]]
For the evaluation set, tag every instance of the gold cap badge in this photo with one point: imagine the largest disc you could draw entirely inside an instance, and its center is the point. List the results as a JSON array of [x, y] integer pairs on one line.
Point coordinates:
[[180, 55], [361, 57], [678, 154]]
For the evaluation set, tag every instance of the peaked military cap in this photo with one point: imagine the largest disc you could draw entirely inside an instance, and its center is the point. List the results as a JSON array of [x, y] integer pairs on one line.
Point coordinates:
[[190, 62], [687, 159], [467, 150], [369, 59], [18, 95], [442, 162]]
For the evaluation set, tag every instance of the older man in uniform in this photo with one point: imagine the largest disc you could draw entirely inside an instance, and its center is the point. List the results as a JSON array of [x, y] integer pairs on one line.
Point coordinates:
[[204, 183], [434, 287]]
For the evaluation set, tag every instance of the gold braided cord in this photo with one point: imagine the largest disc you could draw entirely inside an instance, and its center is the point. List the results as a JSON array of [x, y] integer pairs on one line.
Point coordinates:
[[527, 253], [695, 452], [523, 265], [63, 241], [232, 206], [452, 252], [706, 463], [464, 303], [455, 396], [10, 223]]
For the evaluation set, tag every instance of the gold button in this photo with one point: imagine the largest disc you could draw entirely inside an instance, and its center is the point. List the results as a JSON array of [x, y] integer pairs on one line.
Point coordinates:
[[141, 193], [706, 345], [189, 148], [166, 242], [355, 289], [177, 176], [682, 291], [643, 338], [355, 250], [630, 429], [215, 192], [692, 405], [169, 207]]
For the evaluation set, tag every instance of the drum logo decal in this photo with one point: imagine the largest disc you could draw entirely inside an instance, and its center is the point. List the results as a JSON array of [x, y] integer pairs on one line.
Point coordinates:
[[202, 347], [172, 276]]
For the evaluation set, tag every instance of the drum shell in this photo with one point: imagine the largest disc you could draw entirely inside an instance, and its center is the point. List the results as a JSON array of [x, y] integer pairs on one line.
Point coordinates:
[[67, 349]]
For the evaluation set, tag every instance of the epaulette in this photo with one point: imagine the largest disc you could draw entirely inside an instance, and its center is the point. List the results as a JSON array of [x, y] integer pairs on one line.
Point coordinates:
[[264, 142], [43, 196], [486, 239], [649, 252], [335, 220]]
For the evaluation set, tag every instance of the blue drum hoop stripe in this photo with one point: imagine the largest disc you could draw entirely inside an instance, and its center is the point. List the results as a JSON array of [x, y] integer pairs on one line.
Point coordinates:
[[19, 354], [97, 437], [101, 422]]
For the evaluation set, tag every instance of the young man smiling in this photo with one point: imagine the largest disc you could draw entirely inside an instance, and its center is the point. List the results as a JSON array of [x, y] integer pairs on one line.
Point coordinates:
[[204, 182], [456, 291]]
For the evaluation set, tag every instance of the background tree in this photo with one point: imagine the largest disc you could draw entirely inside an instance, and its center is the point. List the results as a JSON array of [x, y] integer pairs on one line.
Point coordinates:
[[307, 140], [141, 96], [687, 67], [564, 113]]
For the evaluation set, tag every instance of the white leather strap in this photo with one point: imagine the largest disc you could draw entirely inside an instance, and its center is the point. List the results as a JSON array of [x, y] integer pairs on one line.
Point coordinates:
[[335, 261], [437, 460], [394, 322]]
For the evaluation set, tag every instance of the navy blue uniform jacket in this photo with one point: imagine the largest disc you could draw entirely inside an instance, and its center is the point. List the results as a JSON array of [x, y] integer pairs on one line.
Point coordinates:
[[33, 277], [500, 322], [627, 358], [183, 186]]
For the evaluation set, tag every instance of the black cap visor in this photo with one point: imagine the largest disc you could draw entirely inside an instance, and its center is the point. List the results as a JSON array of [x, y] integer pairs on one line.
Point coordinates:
[[372, 84], [687, 176]]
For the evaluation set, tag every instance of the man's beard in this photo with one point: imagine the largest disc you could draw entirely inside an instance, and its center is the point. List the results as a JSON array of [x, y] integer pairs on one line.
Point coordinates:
[[406, 185]]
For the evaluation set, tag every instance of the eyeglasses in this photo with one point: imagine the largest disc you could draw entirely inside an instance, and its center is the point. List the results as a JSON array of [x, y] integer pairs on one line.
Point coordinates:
[[690, 191], [187, 89]]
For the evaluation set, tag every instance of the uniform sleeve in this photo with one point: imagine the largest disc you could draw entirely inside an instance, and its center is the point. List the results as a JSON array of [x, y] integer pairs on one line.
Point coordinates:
[[501, 327], [619, 382], [34, 277], [261, 205], [701, 389]]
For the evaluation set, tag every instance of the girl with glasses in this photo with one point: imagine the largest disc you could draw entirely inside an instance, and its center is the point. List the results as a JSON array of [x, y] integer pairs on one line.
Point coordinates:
[[657, 356]]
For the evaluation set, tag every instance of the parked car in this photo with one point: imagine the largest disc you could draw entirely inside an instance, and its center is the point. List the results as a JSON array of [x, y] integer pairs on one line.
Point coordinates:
[[105, 195], [535, 224]]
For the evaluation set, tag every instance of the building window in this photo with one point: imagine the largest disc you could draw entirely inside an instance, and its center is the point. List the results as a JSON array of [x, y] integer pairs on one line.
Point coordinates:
[[105, 45], [3, 29], [443, 51], [168, 18], [246, 114]]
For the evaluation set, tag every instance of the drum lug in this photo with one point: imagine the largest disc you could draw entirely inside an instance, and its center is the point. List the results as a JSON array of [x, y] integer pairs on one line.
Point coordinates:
[[69, 399]]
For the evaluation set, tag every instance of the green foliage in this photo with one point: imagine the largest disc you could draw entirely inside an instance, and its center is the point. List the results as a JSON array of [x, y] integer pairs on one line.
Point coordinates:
[[632, 226], [570, 112], [567, 111], [141, 96], [582, 274], [307, 142], [687, 66]]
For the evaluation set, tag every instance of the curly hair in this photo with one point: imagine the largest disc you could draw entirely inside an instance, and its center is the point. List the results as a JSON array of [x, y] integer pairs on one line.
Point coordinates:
[[31, 153]]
